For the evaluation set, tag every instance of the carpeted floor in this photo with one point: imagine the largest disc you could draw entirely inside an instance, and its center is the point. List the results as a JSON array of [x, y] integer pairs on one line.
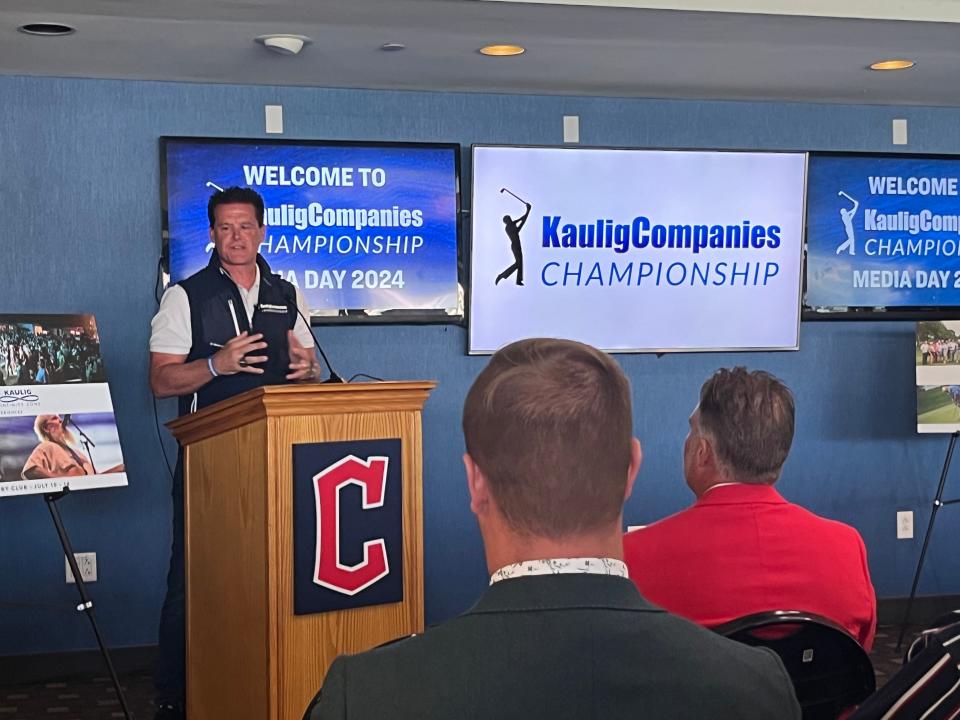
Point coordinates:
[[92, 697], [886, 658], [78, 698]]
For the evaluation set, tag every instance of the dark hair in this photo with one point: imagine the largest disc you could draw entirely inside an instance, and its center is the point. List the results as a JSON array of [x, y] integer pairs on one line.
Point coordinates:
[[549, 424], [236, 196], [750, 418]]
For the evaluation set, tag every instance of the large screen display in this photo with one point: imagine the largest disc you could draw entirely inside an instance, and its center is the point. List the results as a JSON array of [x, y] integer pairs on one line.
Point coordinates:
[[883, 232], [636, 250], [365, 230]]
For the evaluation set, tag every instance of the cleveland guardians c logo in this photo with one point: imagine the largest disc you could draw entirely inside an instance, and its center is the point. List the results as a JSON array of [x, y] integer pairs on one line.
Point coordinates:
[[371, 476]]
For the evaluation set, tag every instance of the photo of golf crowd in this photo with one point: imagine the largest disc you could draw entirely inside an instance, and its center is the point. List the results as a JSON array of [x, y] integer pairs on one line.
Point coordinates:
[[938, 373], [49, 350]]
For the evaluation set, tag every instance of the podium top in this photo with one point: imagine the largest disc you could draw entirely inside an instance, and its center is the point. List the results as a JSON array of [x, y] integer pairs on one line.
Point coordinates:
[[300, 399]]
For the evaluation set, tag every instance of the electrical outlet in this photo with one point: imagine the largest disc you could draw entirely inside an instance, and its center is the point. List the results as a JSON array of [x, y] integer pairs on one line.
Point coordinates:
[[904, 524], [87, 563]]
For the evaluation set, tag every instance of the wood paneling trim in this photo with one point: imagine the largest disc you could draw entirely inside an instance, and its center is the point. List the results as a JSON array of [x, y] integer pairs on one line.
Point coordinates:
[[299, 399]]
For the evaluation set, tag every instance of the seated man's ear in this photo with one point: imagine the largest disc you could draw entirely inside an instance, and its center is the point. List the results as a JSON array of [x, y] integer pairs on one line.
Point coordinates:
[[636, 460], [477, 485], [704, 454]]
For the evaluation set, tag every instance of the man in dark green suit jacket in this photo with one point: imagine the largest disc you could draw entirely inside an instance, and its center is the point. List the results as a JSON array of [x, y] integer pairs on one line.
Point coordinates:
[[561, 633]]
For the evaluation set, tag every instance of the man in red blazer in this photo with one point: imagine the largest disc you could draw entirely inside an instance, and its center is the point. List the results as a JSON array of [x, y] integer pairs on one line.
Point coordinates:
[[741, 548]]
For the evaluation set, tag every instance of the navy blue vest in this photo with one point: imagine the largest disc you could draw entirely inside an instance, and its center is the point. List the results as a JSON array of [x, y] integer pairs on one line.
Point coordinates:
[[209, 291]]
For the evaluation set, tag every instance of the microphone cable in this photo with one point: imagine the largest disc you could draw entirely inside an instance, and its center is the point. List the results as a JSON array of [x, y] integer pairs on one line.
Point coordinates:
[[334, 378], [372, 377]]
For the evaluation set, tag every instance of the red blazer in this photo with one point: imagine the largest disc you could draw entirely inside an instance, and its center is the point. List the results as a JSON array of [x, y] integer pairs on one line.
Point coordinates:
[[742, 549]]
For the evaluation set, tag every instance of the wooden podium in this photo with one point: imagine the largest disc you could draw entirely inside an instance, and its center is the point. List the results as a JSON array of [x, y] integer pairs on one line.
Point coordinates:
[[248, 655]]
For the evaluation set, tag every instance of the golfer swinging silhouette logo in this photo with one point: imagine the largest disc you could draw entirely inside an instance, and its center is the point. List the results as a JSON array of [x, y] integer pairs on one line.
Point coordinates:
[[512, 226], [846, 217]]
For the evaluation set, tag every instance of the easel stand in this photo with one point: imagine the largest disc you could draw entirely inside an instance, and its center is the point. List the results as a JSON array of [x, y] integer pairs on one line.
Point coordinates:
[[938, 502], [86, 604]]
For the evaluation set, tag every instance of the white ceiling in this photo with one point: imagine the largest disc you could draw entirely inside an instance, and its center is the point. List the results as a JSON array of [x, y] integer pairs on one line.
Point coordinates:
[[922, 10], [572, 49]]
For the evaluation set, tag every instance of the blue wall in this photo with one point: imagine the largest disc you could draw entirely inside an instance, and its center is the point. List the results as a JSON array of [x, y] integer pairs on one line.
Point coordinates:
[[79, 202]]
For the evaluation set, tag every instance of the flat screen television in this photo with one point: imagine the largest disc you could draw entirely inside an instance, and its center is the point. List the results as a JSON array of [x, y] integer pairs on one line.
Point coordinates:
[[883, 237], [636, 250], [368, 231]]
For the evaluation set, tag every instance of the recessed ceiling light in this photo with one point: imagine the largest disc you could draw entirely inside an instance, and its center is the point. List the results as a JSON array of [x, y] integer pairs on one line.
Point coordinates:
[[47, 29], [284, 44], [392, 47], [892, 65], [502, 50]]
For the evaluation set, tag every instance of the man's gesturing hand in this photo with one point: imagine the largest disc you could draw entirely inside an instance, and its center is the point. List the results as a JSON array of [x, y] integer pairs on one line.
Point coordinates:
[[232, 358], [303, 364]]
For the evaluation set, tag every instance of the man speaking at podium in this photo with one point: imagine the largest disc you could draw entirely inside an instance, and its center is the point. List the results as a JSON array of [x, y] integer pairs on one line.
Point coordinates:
[[228, 328]]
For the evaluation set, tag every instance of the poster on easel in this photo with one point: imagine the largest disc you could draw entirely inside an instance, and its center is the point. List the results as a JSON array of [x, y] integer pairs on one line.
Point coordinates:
[[937, 355], [57, 425]]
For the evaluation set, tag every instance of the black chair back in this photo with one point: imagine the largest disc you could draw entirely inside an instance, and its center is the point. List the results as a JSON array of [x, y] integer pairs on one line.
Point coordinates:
[[920, 643], [830, 671]]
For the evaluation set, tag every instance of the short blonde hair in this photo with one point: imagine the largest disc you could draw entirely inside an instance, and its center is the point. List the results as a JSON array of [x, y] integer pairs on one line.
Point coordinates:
[[549, 424]]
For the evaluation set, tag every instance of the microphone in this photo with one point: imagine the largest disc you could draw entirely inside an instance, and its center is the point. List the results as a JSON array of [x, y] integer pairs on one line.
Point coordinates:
[[68, 419], [292, 302]]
